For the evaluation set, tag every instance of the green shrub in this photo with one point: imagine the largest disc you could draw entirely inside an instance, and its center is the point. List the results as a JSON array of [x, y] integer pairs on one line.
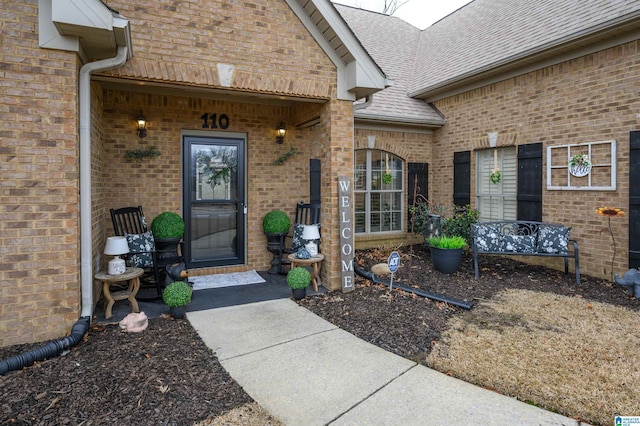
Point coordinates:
[[298, 278], [178, 293], [276, 222], [454, 220], [454, 242], [167, 225], [460, 223]]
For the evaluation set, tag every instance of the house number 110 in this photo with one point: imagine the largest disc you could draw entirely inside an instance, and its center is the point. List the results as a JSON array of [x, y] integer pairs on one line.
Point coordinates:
[[221, 122]]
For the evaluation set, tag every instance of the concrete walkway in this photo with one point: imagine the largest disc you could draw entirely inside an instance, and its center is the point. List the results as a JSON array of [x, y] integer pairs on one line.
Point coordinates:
[[305, 371]]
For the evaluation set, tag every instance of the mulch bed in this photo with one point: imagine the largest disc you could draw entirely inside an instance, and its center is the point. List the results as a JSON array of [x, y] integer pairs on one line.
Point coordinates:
[[166, 375], [408, 325]]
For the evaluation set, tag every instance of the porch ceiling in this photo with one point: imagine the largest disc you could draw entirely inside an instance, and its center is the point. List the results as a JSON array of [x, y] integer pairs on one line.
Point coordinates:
[[156, 88]]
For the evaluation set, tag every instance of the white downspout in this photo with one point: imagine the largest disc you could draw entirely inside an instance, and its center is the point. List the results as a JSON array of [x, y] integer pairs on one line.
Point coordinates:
[[84, 94]]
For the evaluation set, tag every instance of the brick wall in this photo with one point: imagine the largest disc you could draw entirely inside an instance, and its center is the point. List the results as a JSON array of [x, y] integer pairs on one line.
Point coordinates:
[[269, 48], [39, 272], [588, 99]]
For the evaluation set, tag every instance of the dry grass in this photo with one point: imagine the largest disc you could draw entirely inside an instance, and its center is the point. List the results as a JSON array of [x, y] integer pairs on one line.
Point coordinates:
[[247, 415], [562, 353]]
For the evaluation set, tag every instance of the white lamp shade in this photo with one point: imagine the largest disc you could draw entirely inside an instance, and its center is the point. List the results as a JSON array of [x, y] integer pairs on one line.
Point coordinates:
[[310, 232], [116, 246]]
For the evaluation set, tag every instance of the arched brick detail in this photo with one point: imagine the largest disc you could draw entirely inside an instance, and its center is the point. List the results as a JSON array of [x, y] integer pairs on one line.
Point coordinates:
[[384, 145]]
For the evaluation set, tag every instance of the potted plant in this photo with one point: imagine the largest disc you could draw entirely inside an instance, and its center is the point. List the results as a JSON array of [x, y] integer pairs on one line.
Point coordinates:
[[298, 279], [446, 253], [177, 296], [275, 225], [167, 229]]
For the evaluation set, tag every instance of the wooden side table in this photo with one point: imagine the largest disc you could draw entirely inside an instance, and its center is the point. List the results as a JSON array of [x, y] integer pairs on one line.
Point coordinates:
[[313, 261], [130, 274]]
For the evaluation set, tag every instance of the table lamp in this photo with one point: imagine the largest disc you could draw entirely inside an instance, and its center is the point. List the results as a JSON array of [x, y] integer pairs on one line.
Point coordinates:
[[115, 247], [311, 233]]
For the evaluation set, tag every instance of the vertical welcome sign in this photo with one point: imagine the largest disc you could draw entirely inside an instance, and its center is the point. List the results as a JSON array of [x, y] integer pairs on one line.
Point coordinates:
[[346, 232]]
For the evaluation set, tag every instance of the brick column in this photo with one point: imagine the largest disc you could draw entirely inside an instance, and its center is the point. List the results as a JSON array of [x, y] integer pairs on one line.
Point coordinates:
[[337, 121]]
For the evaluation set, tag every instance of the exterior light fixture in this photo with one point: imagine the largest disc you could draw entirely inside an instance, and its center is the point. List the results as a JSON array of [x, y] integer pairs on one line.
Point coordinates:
[[142, 125], [280, 132]]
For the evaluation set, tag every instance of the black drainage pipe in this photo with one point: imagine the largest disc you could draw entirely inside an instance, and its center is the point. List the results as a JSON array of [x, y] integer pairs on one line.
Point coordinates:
[[433, 296], [49, 350]]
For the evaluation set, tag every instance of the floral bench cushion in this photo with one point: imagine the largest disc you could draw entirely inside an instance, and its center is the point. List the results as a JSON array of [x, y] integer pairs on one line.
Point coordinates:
[[553, 239], [519, 243], [487, 238], [500, 238]]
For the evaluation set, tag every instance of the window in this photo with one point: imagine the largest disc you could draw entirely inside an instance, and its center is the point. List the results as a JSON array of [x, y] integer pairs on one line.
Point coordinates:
[[496, 201], [378, 179]]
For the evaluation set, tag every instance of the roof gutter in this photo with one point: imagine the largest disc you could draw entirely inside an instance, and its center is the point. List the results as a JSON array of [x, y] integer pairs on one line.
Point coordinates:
[[368, 100], [84, 95]]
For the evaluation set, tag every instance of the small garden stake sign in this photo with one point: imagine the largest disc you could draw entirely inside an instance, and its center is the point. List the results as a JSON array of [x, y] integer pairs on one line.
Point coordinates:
[[610, 212], [393, 262]]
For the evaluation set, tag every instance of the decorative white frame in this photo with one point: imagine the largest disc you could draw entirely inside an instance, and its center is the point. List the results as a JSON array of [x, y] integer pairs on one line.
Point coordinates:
[[564, 168]]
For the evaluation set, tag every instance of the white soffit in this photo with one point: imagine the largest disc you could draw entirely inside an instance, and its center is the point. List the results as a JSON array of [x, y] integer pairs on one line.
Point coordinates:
[[358, 74], [88, 27]]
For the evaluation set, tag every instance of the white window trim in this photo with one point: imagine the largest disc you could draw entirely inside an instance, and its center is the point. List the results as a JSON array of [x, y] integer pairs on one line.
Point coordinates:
[[368, 191]]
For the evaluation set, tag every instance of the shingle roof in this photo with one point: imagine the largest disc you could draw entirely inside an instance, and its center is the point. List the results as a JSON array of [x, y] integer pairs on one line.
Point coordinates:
[[392, 43], [485, 33]]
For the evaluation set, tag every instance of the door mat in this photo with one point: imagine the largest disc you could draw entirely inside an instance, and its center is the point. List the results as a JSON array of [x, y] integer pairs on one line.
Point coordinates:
[[226, 280]]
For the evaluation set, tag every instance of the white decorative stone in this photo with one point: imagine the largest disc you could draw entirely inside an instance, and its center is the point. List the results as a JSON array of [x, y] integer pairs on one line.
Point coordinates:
[[225, 73]]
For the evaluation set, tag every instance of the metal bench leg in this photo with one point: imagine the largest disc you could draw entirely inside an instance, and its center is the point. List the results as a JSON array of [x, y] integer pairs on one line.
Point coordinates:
[[476, 269]]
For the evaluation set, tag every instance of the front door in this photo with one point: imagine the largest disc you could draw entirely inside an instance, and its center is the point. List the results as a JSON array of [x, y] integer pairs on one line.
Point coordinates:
[[214, 200]]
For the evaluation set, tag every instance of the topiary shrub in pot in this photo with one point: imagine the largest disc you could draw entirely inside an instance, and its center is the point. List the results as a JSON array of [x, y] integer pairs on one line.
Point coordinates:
[[276, 222], [167, 229], [275, 225], [167, 225], [298, 279], [446, 253], [177, 296]]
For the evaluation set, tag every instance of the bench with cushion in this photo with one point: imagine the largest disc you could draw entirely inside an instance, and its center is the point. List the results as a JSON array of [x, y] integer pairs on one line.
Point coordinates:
[[525, 238]]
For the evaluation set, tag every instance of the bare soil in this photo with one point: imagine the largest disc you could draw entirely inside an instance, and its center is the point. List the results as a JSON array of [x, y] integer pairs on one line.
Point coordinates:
[[166, 375]]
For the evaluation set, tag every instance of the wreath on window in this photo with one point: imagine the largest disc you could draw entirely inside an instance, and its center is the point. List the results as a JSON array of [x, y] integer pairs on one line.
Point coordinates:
[[387, 178], [495, 176]]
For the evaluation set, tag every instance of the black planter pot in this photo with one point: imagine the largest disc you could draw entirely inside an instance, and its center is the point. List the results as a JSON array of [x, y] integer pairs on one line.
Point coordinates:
[[299, 293], [275, 244], [178, 312], [446, 261], [167, 250]]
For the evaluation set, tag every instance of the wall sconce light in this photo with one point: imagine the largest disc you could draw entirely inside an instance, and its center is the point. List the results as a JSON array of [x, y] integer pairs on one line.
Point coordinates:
[[142, 125], [280, 132]]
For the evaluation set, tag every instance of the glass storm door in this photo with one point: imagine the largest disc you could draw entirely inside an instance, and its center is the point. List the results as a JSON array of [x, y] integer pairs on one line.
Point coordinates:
[[214, 201]]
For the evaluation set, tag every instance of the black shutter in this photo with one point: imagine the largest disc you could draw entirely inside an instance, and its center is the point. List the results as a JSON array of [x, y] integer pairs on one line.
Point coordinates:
[[314, 181], [421, 172], [462, 178], [530, 182], [634, 199]]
